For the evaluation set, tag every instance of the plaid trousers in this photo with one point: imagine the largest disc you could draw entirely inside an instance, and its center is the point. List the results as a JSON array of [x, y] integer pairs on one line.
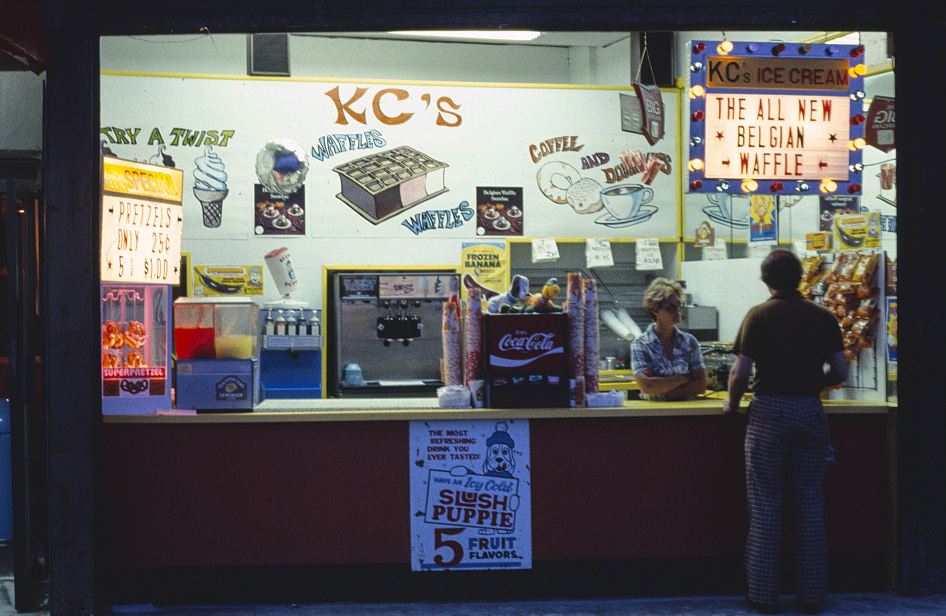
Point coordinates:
[[786, 440]]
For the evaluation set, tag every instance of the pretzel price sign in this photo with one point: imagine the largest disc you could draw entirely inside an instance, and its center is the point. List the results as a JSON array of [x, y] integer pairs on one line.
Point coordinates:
[[142, 221]]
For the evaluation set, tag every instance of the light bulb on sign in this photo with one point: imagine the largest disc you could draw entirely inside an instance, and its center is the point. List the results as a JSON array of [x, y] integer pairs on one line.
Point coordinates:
[[749, 186], [696, 67], [775, 186], [695, 165], [827, 186], [695, 141], [857, 144], [724, 48], [699, 47], [696, 184], [697, 91], [802, 187], [856, 71]]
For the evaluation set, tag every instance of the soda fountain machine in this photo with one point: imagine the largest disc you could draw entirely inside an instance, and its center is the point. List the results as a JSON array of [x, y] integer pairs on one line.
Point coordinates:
[[386, 332], [291, 341]]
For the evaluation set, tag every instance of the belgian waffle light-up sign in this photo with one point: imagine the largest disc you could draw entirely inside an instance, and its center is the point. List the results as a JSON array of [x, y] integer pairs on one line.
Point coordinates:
[[776, 118]]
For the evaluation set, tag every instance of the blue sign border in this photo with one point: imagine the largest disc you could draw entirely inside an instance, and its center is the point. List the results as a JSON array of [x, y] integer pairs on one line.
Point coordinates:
[[701, 50]]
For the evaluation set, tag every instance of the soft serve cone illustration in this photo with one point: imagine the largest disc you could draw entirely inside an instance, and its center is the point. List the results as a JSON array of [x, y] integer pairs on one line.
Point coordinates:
[[210, 186]]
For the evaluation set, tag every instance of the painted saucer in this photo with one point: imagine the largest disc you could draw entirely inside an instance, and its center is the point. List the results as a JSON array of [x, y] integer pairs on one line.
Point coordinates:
[[717, 216], [643, 214]]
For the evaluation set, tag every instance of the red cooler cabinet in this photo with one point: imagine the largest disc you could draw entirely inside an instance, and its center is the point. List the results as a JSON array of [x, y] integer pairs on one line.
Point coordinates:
[[526, 360]]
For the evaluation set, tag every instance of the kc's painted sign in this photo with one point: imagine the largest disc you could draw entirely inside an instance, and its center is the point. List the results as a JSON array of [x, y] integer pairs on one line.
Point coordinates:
[[776, 118]]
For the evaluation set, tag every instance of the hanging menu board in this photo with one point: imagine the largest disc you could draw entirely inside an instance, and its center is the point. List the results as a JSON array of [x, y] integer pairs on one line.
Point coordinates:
[[774, 118], [142, 221]]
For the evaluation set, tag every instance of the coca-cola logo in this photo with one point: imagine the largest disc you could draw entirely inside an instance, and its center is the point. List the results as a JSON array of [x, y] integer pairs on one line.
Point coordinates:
[[535, 341]]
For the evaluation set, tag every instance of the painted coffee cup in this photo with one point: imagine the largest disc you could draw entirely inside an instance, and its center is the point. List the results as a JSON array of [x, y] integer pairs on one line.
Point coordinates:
[[733, 207], [625, 200]]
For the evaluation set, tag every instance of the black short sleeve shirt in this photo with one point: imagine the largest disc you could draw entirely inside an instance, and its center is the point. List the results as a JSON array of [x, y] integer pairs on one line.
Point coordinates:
[[789, 338]]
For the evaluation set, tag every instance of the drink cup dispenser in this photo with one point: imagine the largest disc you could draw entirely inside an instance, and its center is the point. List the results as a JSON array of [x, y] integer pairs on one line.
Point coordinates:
[[217, 346], [385, 330]]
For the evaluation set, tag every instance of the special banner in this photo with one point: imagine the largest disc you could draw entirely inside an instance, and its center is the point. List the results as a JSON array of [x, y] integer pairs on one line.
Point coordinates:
[[471, 504]]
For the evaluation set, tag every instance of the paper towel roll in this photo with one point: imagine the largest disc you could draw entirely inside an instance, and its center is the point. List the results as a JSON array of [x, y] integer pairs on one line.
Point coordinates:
[[628, 321], [615, 325]]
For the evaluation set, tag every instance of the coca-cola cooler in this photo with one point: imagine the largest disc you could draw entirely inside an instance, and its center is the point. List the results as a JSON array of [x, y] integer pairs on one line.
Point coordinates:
[[526, 360]]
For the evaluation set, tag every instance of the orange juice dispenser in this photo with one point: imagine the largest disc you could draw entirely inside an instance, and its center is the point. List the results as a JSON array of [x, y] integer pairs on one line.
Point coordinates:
[[136, 340], [216, 341]]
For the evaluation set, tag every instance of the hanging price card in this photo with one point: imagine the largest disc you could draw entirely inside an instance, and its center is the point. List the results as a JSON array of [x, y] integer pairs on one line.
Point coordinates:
[[142, 220], [598, 253], [544, 250], [648, 254]]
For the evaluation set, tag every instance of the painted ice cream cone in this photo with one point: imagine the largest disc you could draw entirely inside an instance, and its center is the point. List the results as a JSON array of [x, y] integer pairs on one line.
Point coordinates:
[[210, 186], [211, 202]]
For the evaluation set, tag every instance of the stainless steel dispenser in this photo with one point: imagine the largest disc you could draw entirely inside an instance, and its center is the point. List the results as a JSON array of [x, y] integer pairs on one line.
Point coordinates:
[[386, 332]]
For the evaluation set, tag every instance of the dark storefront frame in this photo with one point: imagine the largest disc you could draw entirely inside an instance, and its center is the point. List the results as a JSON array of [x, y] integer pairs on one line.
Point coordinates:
[[71, 189]]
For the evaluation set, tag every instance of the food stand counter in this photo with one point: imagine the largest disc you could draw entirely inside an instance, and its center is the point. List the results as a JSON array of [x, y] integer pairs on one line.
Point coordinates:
[[308, 500]]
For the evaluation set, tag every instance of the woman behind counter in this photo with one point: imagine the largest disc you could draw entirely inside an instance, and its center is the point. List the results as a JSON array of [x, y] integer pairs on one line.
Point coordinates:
[[667, 363]]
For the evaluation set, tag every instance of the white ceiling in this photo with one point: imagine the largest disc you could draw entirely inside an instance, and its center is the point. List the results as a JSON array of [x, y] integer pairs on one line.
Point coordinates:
[[545, 39]]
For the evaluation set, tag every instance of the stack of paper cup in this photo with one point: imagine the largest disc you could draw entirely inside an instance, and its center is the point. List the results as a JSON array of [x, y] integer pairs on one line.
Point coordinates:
[[452, 355], [473, 336], [591, 335]]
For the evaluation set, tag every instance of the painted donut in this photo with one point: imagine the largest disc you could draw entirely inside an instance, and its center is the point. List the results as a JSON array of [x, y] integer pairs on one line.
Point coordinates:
[[135, 360], [135, 335], [555, 178], [112, 335], [585, 196]]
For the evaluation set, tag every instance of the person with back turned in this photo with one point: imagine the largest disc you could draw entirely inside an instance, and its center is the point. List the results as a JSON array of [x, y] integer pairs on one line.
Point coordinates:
[[797, 349]]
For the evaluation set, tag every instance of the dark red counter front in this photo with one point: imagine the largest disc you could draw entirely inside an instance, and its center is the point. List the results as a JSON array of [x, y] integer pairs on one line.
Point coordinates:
[[188, 495]]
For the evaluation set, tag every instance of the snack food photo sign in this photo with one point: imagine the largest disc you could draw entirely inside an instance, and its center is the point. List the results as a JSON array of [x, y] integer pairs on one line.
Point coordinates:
[[776, 118]]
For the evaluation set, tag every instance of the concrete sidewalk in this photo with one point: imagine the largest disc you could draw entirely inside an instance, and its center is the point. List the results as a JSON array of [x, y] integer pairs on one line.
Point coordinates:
[[866, 604], [853, 604]]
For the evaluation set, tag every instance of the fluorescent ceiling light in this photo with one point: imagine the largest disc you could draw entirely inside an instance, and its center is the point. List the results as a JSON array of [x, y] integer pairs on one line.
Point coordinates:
[[501, 35]]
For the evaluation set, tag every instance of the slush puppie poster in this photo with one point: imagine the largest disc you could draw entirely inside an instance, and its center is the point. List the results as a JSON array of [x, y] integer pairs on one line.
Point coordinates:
[[471, 504]]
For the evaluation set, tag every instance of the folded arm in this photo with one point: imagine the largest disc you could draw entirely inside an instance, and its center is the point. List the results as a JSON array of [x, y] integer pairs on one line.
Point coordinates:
[[690, 384]]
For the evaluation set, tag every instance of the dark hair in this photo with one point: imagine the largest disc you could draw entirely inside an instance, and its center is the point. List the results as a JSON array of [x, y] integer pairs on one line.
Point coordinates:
[[781, 270]]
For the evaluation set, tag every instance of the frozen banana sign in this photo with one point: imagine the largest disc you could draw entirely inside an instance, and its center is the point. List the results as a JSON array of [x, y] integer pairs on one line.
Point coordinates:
[[470, 495]]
